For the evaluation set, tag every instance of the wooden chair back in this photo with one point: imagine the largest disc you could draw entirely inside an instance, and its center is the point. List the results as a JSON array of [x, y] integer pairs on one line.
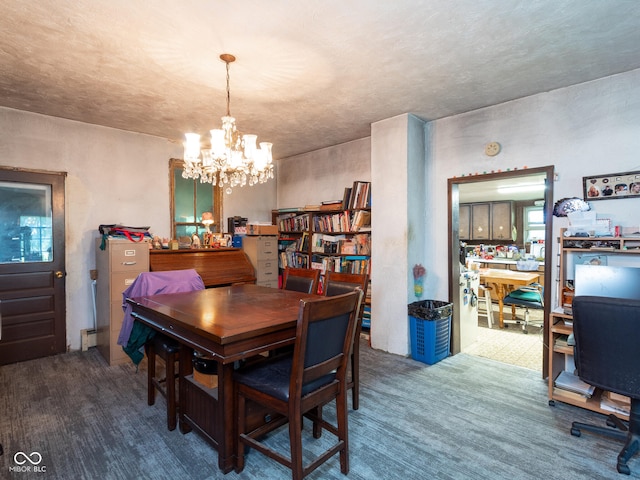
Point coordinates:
[[303, 280]]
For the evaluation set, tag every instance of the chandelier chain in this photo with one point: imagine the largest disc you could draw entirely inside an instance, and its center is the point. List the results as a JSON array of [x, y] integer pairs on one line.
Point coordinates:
[[228, 92]]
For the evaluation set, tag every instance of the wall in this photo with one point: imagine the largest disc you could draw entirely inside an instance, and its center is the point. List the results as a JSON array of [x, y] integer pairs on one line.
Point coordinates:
[[313, 177], [113, 176], [586, 129]]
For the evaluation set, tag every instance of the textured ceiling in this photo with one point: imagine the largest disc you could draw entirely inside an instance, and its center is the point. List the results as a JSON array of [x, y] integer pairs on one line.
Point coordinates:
[[308, 74]]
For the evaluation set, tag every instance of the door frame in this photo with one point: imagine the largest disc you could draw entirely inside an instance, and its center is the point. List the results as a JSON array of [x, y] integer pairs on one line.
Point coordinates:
[[454, 247]]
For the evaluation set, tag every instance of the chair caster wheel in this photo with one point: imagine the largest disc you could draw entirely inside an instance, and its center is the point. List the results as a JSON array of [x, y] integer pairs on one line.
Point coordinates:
[[525, 331], [611, 423], [575, 432], [624, 469], [552, 403]]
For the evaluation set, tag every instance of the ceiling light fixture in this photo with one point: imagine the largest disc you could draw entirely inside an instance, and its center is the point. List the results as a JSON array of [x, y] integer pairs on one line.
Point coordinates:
[[233, 157], [521, 188]]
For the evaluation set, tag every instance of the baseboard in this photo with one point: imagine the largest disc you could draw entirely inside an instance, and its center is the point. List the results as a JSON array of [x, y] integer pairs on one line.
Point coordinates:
[[88, 338]]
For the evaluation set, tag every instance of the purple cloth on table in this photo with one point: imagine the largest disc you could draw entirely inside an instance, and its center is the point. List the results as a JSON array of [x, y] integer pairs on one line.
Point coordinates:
[[156, 283]]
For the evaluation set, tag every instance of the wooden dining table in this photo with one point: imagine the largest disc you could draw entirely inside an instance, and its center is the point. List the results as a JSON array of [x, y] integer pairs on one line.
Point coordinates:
[[229, 325], [504, 281]]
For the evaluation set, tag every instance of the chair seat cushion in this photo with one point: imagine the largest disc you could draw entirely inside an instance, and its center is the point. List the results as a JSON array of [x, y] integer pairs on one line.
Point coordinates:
[[273, 378], [520, 297]]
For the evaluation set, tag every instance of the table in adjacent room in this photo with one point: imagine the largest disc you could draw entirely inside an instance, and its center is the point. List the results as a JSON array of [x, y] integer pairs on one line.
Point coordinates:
[[502, 279], [230, 324]]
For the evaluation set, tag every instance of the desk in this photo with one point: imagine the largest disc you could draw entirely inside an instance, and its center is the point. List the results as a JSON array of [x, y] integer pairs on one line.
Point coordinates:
[[230, 324], [217, 266], [501, 279]]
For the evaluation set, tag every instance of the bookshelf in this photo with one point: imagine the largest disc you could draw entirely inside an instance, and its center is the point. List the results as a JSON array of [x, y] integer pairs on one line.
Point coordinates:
[[334, 235], [561, 323]]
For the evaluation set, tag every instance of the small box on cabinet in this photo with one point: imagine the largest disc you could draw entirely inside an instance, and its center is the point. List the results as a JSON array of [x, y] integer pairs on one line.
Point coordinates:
[[253, 229]]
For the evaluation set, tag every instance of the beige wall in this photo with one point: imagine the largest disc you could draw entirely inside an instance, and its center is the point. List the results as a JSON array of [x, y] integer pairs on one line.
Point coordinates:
[[113, 176]]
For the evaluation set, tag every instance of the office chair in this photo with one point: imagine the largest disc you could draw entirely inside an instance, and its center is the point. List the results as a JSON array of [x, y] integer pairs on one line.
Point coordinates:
[[531, 296], [337, 283], [606, 354], [300, 384], [303, 280], [157, 344]]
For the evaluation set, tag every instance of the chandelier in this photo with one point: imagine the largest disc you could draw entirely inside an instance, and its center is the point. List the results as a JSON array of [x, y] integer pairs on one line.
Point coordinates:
[[233, 159]]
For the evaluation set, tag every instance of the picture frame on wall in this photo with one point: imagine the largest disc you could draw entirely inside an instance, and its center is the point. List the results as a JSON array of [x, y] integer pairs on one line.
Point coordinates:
[[611, 186]]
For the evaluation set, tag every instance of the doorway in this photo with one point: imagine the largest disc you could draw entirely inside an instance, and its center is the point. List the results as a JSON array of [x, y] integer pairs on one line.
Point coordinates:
[[454, 186], [32, 265]]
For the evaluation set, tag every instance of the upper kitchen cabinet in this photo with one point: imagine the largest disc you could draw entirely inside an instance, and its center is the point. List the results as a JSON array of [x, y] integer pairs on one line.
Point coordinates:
[[501, 220], [464, 221], [486, 221], [480, 220]]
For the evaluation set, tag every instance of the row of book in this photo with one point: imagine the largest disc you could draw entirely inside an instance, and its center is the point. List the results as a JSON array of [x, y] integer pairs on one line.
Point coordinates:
[[293, 259], [359, 244], [346, 264], [570, 385], [293, 222], [357, 196], [344, 221]]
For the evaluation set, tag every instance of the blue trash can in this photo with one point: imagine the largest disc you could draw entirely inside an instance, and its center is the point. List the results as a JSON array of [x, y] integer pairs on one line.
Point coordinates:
[[430, 329]]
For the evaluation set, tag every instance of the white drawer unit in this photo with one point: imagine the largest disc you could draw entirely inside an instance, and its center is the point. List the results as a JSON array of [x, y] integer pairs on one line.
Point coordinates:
[[262, 250], [118, 265]]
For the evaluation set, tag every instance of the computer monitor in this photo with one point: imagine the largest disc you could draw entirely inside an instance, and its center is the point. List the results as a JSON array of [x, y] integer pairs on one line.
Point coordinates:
[[606, 281]]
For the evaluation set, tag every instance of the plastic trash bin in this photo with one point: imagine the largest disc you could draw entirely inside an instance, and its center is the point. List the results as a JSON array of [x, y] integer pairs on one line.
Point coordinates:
[[430, 328]]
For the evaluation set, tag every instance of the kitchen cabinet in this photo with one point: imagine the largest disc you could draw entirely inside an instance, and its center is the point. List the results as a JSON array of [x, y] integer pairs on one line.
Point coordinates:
[[480, 219], [486, 221], [464, 221], [501, 221]]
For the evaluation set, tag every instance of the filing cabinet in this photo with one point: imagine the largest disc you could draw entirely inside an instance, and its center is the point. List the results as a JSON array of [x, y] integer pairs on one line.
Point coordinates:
[[118, 265], [262, 250]]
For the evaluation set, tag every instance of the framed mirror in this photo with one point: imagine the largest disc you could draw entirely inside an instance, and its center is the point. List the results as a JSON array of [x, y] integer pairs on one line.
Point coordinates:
[[190, 199]]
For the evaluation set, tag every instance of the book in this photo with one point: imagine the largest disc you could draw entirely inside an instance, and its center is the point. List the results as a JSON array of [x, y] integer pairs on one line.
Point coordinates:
[[346, 197], [572, 383], [576, 397]]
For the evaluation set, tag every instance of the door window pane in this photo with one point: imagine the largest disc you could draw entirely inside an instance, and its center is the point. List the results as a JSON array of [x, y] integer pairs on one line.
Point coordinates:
[[26, 233]]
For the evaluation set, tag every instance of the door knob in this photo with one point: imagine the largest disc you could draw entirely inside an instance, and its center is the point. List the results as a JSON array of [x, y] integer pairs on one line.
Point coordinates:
[[59, 274]]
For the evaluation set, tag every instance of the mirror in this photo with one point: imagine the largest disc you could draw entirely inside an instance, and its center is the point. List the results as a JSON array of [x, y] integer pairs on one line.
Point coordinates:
[[189, 200], [483, 189]]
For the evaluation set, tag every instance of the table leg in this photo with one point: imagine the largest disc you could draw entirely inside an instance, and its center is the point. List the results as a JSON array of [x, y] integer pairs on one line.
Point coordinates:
[[227, 457], [500, 293], [186, 368]]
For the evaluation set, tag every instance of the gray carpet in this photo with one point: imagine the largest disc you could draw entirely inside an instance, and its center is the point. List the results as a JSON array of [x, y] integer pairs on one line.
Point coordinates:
[[464, 418]]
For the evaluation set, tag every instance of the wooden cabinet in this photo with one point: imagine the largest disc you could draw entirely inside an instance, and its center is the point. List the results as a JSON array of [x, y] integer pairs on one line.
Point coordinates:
[[480, 220], [262, 250], [561, 321], [486, 221], [501, 221], [464, 221], [118, 265]]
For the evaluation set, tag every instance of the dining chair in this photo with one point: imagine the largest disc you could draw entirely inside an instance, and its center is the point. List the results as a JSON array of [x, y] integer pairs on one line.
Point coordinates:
[[303, 280], [300, 384], [337, 283]]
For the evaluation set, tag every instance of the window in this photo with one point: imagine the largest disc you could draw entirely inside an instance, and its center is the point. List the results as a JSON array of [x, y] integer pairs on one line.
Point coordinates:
[[189, 200], [533, 224]]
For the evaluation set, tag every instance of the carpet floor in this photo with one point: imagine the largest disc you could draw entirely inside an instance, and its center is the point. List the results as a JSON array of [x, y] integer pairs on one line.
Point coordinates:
[[466, 417]]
